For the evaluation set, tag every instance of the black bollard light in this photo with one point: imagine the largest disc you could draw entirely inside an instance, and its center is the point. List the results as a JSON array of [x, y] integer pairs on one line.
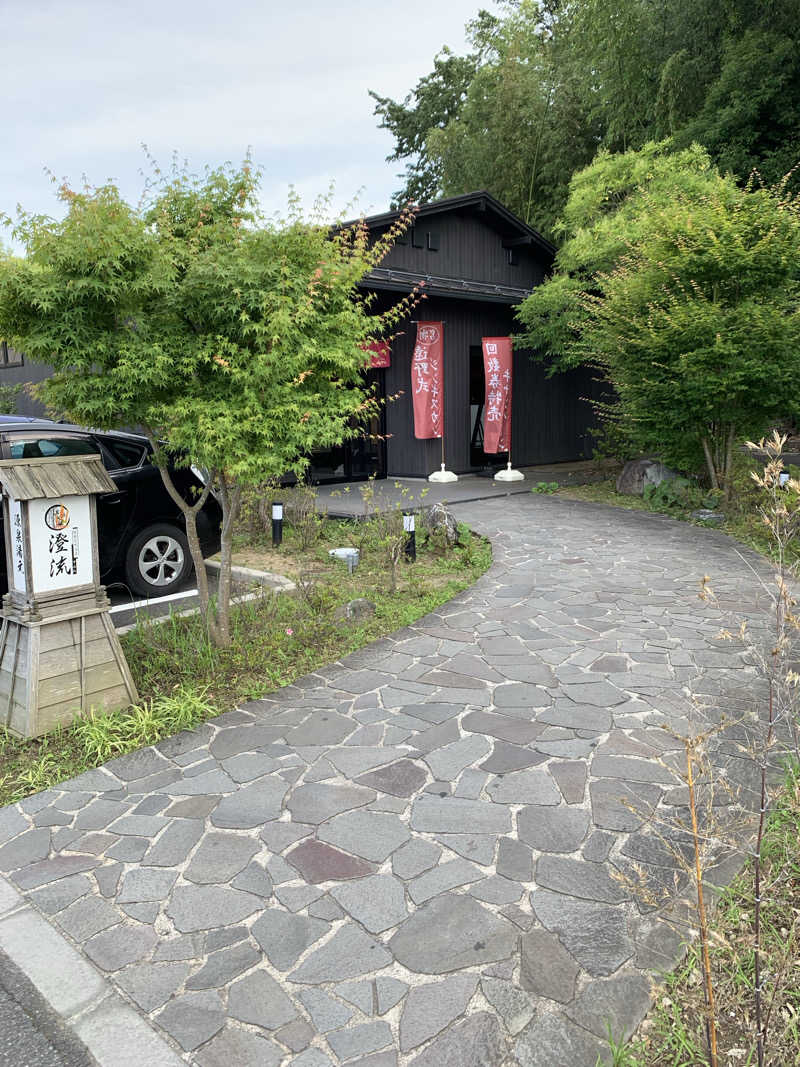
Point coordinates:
[[277, 523], [409, 527]]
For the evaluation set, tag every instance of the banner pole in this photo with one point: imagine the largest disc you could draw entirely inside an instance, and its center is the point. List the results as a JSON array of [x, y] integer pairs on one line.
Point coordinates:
[[443, 474]]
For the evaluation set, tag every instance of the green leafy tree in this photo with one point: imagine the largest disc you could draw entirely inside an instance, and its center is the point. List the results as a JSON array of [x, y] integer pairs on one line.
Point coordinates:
[[685, 294], [235, 342]]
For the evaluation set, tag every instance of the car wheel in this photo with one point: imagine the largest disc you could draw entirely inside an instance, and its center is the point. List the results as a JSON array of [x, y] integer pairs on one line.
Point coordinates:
[[158, 560]]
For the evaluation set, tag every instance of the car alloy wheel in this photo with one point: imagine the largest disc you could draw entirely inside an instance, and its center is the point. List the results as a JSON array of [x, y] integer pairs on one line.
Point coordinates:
[[161, 559]]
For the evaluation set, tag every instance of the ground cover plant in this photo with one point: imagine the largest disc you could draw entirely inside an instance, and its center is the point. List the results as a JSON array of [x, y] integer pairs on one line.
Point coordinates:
[[184, 678]]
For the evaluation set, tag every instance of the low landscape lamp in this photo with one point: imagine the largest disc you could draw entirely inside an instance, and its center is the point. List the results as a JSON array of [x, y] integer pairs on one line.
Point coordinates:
[[277, 523], [409, 526]]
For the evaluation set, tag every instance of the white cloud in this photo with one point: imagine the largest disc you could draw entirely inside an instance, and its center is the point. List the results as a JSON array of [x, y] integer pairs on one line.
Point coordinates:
[[86, 83]]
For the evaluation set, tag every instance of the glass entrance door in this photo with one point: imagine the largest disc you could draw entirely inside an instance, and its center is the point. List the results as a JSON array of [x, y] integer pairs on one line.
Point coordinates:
[[363, 456]]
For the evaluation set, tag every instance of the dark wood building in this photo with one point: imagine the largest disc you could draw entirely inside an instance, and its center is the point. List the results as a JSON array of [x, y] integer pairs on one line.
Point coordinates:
[[478, 261]]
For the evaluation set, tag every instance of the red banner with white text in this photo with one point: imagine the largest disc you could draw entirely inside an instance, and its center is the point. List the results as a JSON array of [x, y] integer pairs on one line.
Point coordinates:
[[427, 380], [380, 354], [497, 366]]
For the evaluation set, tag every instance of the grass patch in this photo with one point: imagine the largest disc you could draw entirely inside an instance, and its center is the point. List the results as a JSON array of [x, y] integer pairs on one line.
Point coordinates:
[[674, 1034], [28, 767], [182, 679]]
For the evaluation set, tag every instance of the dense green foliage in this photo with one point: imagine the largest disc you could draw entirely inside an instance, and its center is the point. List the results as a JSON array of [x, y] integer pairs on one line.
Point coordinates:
[[683, 289], [548, 83], [236, 341]]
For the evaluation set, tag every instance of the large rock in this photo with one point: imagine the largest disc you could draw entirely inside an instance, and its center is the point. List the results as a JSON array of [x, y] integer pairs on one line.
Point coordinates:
[[441, 523], [637, 473]]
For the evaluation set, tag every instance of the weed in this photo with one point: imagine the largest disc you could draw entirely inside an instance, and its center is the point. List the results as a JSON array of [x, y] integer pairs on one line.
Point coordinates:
[[545, 487]]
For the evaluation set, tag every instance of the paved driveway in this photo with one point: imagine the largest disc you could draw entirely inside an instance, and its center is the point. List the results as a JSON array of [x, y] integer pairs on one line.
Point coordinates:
[[409, 857]]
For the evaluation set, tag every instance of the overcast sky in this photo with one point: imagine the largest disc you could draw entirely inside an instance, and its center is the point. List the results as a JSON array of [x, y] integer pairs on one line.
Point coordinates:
[[86, 82]]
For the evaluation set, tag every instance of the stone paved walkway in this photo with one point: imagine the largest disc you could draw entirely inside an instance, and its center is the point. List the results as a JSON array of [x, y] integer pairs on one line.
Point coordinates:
[[408, 857]]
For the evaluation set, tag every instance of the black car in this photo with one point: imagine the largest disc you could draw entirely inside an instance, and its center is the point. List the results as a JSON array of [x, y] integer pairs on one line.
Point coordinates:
[[141, 531]]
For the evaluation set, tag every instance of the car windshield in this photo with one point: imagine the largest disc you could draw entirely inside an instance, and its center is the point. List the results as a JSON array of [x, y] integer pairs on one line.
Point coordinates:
[[37, 447]]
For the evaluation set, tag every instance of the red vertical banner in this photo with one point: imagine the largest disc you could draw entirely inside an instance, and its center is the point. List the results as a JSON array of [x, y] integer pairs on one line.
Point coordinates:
[[427, 380], [497, 366], [380, 354]]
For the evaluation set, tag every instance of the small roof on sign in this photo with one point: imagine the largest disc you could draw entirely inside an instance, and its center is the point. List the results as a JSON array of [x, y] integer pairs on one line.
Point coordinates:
[[37, 479]]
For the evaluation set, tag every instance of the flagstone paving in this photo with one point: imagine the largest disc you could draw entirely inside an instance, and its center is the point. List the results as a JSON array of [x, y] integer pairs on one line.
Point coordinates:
[[408, 858]]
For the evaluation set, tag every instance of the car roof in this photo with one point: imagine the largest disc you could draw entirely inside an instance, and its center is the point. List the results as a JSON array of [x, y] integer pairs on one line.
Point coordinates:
[[27, 422]]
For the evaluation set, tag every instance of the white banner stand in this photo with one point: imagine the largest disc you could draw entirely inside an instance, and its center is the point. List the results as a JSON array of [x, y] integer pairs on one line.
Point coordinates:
[[509, 474]]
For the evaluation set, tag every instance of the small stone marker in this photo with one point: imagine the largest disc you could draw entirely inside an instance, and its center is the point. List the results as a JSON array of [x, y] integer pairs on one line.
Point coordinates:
[[59, 652]]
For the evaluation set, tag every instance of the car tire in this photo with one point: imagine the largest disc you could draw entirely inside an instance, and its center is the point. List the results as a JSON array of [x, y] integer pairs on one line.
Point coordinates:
[[158, 560]]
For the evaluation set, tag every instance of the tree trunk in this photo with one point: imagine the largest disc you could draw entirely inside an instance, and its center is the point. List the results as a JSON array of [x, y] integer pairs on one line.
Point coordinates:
[[190, 512], [231, 501], [712, 470], [729, 461]]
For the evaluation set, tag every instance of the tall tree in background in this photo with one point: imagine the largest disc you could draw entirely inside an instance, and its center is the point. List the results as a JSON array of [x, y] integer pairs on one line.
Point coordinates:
[[550, 82], [236, 343], [683, 290]]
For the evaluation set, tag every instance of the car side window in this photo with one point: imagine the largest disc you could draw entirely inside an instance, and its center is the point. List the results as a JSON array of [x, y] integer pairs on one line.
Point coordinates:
[[120, 455], [37, 447]]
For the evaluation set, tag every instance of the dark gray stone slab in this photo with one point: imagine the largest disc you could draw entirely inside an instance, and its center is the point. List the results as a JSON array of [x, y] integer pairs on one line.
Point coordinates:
[[192, 807], [579, 878], [319, 802], [204, 907], [87, 917], [596, 935], [252, 805], [479, 848], [515, 1006], [145, 884], [52, 870], [326, 1012], [417, 856], [321, 728], [531, 786], [618, 1003], [457, 815], [504, 727], [399, 779], [284, 937], [27, 848], [120, 945], [433, 1006], [443, 877], [371, 835], [224, 965], [360, 1040], [242, 1048], [618, 805], [551, 829], [58, 895], [447, 763], [296, 1035], [378, 903], [452, 932], [12, 823], [553, 1041], [506, 757], [514, 860], [254, 879], [478, 1041], [348, 954], [152, 984], [220, 858], [236, 739], [546, 968], [192, 1018], [570, 777], [258, 999], [175, 844]]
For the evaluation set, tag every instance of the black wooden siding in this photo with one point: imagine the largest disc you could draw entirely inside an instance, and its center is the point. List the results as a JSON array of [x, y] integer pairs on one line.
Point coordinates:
[[550, 418], [469, 249]]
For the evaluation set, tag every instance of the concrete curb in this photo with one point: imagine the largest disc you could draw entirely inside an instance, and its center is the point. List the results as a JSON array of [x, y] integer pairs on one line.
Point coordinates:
[[247, 574], [113, 1033]]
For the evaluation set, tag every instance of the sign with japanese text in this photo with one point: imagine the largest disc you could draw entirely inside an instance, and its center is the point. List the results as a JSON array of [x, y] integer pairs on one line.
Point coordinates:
[[61, 543], [497, 366], [427, 380], [381, 354], [17, 547]]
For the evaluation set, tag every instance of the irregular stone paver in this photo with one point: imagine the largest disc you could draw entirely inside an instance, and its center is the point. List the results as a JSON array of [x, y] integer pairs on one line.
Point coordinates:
[[296, 882]]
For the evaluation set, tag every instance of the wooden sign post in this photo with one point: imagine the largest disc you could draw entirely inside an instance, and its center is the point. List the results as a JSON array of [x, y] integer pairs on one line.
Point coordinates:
[[59, 652]]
